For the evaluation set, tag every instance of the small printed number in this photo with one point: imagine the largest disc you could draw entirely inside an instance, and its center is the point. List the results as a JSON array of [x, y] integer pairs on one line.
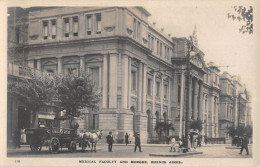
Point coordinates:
[[17, 161]]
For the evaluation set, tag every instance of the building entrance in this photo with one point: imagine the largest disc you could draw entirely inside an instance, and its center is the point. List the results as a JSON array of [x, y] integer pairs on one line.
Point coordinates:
[[23, 118]]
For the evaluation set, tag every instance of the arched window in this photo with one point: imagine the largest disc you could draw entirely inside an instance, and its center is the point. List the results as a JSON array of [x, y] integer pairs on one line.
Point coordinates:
[[157, 116], [164, 116]]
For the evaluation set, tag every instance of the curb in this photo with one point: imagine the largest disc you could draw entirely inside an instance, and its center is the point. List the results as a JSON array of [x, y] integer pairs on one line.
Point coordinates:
[[174, 155]]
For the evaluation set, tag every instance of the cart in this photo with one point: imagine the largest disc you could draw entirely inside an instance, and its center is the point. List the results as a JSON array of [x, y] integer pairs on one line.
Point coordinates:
[[54, 138]]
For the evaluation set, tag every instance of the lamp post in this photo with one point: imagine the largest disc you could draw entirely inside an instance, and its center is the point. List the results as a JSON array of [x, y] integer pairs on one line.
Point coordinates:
[[188, 68]]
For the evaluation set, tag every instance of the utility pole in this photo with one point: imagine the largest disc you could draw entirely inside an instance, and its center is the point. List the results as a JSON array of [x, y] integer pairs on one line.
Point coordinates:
[[187, 117]]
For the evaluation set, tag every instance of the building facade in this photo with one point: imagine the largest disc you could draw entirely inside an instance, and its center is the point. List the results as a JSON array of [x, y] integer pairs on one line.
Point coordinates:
[[234, 105], [139, 70]]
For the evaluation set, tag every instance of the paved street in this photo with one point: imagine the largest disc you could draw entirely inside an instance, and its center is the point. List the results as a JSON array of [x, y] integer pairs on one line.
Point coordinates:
[[122, 151]]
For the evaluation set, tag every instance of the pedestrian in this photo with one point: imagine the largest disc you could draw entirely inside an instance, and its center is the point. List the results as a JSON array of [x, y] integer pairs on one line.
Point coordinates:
[[172, 144], [195, 142], [110, 141], [189, 142], [137, 142], [23, 136], [244, 145], [206, 139], [180, 145], [126, 139]]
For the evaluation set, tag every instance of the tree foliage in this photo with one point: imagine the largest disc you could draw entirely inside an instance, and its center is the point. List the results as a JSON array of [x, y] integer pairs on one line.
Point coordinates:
[[75, 93], [196, 124], [37, 90], [164, 126], [240, 131], [245, 15], [67, 92]]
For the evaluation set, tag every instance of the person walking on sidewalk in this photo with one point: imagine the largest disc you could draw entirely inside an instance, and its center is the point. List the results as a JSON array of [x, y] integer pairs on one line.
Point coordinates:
[[244, 145], [137, 142], [110, 141], [126, 139], [172, 144]]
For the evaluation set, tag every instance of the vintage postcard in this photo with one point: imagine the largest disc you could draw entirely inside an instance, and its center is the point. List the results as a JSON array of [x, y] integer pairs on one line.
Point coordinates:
[[118, 83]]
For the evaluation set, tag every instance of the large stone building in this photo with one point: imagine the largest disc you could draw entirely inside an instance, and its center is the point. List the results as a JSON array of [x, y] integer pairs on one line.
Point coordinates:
[[234, 105], [139, 70]]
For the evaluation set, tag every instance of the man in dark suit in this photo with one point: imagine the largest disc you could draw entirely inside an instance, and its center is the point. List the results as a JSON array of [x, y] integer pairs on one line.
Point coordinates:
[[244, 145], [110, 141], [137, 142]]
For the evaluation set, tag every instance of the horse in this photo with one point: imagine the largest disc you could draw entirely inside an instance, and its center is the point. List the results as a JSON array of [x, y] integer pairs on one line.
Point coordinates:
[[93, 138]]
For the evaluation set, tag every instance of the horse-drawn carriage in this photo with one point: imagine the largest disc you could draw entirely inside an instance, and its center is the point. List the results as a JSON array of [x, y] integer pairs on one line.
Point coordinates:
[[58, 138], [54, 138]]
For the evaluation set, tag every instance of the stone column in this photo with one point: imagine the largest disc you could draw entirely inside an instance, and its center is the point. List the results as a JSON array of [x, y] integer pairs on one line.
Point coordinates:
[[200, 112], [195, 100], [161, 98], [235, 111], [182, 102], [154, 94], [216, 116], [60, 64], [82, 64], [144, 87], [125, 87], [129, 82], [169, 98], [190, 97], [105, 82], [39, 65], [212, 117], [140, 86], [113, 81]]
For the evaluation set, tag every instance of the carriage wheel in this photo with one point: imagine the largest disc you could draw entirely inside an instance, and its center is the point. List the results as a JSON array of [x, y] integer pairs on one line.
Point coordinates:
[[36, 148], [54, 145], [73, 146]]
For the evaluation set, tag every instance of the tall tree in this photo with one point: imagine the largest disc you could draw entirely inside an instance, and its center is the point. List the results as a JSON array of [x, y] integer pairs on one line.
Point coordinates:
[[245, 15], [75, 93], [163, 127], [35, 88]]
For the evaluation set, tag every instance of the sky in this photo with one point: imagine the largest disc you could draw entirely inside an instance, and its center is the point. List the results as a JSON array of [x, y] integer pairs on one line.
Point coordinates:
[[218, 37]]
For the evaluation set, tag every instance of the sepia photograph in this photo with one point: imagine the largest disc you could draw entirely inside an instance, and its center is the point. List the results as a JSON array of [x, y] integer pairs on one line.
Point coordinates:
[[138, 84]]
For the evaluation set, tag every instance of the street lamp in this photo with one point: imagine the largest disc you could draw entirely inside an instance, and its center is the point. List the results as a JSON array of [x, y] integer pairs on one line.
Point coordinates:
[[188, 68]]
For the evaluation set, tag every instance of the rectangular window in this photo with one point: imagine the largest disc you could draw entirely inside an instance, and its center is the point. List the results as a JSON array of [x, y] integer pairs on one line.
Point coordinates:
[[95, 121], [168, 56], [67, 27], [133, 80], [138, 30], [152, 44], [45, 29], [72, 71], [149, 86], [158, 48], [149, 41], [98, 23], [165, 90], [94, 72], [89, 24], [19, 33], [134, 26], [35, 64], [75, 26], [165, 52], [158, 89], [53, 29], [179, 88]]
